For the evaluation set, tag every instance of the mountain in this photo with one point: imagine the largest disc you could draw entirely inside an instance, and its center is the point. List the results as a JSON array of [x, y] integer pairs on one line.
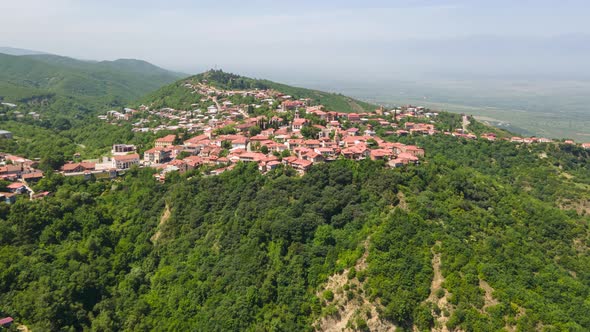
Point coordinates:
[[178, 96], [26, 77], [18, 51], [125, 65]]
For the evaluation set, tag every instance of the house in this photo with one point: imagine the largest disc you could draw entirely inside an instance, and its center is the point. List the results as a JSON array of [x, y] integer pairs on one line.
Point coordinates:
[[352, 131], [272, 165], [41, 195], [5, 134], [407, 158], [381, 154], [586, 146], [291, 104], [123, 149], [369, 132], [529, 140], [401, 132], [311, 143], [274, 146], [197, 140], [356, 152], [327, 153], [176, 165], [8, 198], [175, 150], [354, 117], [333, 124], [353, 140], [294, 143], [413, 150], [252, 157], [489, 136], [301, 165], [165, 141], [403, 159], [156, 155], [14, 170], [6, 322], [193, 162], [212, 109], [78, 167], [32, 177], [298, 124], [422, 128], [313, 156], [17, 188], [240, 142], [125, 161], [16, 160], [319, 113]]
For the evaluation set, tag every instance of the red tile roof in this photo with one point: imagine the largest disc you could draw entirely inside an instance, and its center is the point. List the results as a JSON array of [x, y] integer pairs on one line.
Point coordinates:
[[166, 139], [15, 185], [33, 175], [6, 321], [126, 157]]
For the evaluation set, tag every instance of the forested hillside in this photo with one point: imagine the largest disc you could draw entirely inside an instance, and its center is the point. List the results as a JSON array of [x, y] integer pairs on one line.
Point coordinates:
[[505, 226], [66, 94], [29, 77]]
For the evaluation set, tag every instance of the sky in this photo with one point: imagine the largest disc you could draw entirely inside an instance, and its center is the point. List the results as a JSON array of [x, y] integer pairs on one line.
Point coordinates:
[[314, 40]]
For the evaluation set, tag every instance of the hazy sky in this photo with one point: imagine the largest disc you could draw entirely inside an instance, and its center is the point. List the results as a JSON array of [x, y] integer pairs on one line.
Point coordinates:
[[308, 39]]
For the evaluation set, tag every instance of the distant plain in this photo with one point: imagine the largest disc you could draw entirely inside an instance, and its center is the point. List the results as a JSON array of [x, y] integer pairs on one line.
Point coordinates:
[[535, 107]]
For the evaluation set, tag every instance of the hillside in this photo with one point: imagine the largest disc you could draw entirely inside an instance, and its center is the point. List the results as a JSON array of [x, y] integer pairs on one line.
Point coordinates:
[[480, 235], [243, 251], [178, 96], [28, 76]]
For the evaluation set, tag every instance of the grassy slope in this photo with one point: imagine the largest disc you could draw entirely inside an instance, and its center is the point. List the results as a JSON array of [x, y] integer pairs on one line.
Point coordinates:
[[332, 101]]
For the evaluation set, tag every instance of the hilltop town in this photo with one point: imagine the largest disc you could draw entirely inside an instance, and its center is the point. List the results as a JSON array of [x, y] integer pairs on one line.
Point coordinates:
[[262, 126], [276, 129]]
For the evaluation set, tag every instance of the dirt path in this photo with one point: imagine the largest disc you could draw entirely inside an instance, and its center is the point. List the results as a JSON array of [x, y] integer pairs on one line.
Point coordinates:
[[356, 106], [489, 300], [217, 104], [465, 123], [435, 287], [403, 204], [23, 328], [581, 206], [31, 191], [351, 311], [163, 221]]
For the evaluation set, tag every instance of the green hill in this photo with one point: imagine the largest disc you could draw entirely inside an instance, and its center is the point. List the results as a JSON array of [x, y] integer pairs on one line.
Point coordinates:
[[28, 76], [177, 96]]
